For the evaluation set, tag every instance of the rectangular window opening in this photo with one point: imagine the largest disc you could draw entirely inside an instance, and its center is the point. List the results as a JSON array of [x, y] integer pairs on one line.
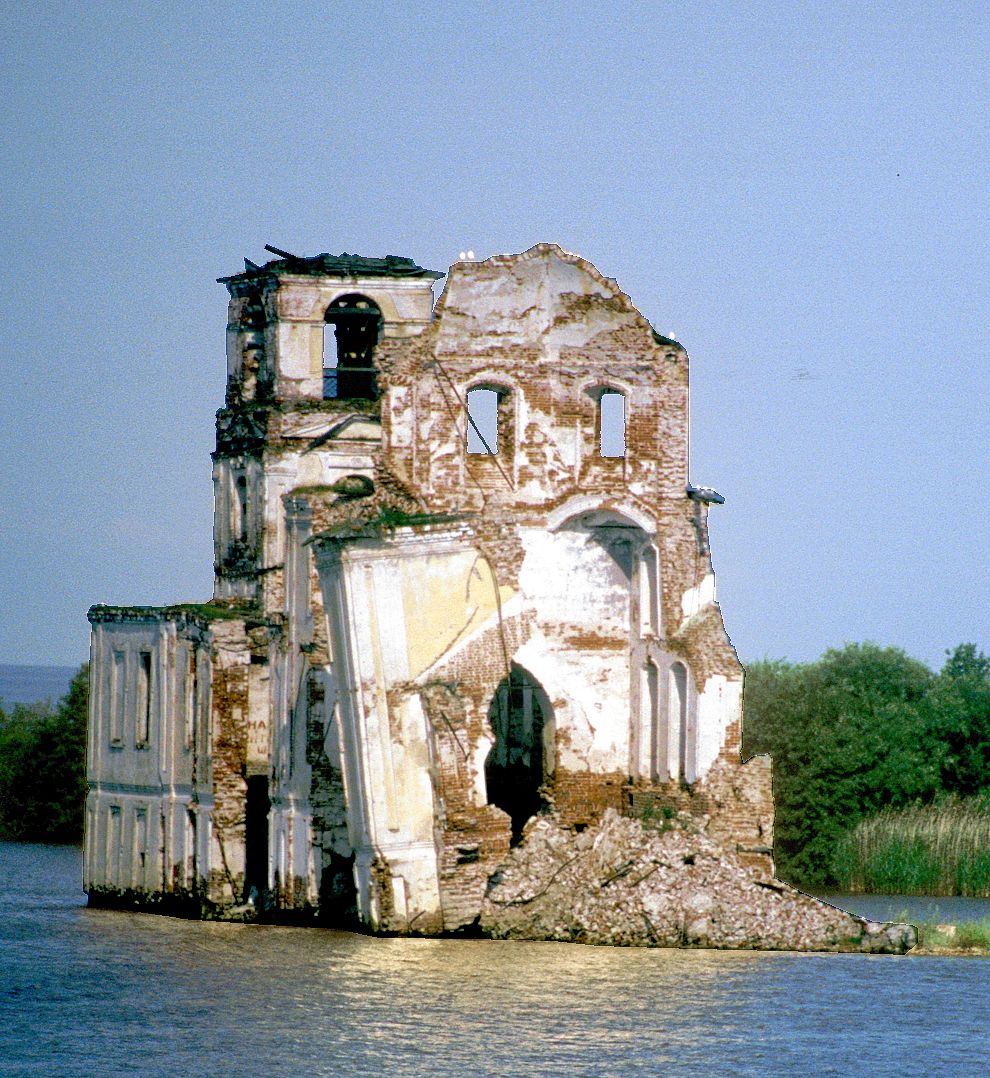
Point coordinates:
[[482, 410], [241, 528], [612, 424], [117, 699], [143, 717], [114, 829], [140, 858], [192, 698]]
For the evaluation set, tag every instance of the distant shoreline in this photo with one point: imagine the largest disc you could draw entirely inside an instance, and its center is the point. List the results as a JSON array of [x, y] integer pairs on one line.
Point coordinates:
[[29, 683]]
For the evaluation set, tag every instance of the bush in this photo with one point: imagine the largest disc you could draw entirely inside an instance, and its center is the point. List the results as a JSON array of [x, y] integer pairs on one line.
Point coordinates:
[[862, 730], [975, 934]]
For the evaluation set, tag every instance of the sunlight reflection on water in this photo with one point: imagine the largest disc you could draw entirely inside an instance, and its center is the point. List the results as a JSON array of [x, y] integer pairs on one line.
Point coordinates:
[[90, 991]]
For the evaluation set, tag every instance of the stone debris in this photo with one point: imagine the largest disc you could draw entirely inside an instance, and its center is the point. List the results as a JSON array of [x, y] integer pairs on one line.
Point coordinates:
[[621, 882]]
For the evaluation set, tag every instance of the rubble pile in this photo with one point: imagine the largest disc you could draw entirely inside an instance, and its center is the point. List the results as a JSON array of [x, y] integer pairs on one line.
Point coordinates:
[[624, 882]]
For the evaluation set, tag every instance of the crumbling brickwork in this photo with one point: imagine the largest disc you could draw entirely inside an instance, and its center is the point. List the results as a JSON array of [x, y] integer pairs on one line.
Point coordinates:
[[423, 635]]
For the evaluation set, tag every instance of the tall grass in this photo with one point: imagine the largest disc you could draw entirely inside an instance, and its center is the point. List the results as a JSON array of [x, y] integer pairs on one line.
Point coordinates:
[[939, 849], [970, 935]]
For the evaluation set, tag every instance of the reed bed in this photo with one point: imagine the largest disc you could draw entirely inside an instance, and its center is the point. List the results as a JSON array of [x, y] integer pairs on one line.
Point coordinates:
[[938, 849]]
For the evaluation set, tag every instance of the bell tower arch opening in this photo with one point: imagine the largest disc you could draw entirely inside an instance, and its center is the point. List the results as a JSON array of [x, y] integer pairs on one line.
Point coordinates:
[[521, 759], [348, 351]]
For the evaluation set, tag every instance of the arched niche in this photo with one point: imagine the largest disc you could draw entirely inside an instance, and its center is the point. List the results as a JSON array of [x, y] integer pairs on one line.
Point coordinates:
[[591, 510], [676, 735]]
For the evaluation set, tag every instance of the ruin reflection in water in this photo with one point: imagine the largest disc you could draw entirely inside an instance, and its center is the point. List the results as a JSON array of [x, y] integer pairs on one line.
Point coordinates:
[[94, 992]]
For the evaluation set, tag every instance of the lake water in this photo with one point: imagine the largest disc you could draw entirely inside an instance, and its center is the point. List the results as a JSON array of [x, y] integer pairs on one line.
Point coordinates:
[[22, 684], [92, 992]]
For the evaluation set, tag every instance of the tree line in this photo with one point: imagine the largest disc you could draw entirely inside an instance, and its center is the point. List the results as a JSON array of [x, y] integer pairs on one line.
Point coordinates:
[[862, 730]]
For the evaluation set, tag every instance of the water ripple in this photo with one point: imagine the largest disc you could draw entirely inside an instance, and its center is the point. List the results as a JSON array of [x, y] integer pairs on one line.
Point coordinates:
[[87, 992]]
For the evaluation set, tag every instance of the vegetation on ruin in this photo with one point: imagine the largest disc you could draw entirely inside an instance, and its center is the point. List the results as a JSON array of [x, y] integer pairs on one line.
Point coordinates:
[[215, 611], [877, 761], [659, 817], [42, 767], [312, 488], [386, 519]]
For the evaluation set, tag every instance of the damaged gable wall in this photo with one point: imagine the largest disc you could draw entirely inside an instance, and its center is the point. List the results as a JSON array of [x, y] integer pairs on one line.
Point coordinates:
[[579, 579]]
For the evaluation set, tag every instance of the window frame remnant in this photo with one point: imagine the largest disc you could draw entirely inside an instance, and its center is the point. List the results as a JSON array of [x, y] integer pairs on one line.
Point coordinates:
[[192, 697], [483, 420], [241, 507], [494, 442], [118, 682], [139, 856], [114, 838]]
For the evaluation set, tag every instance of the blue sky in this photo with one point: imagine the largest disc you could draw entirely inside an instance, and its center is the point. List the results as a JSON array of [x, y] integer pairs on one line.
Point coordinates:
[[797, 192]]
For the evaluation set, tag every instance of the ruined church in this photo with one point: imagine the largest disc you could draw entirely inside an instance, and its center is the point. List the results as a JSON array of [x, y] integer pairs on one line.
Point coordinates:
[[462, 580]]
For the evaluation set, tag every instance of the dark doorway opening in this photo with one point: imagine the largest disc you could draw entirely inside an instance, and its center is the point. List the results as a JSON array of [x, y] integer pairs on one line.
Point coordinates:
[[519, 761], [256, 812], [338, 895]]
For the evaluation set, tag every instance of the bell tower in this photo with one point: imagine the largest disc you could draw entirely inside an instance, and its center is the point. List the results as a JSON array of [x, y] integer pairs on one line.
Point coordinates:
[[302, 333]]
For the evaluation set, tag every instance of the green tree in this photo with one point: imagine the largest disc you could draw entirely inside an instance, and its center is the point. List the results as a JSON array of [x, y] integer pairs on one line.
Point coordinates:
[[848, 735], [42, 767], [959, 720]]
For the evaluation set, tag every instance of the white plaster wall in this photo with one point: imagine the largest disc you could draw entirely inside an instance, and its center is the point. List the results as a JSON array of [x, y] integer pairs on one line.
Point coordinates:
[[497, 307], [700, 595], [129, 779], [719, 705], [375, 610], [579, 597]]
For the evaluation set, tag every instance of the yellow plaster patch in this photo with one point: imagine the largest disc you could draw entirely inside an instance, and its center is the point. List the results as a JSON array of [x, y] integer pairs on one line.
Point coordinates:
[[445, 599]]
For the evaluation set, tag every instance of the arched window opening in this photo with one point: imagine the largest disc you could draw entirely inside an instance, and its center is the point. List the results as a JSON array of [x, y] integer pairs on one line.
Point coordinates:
[[520, 715], [677, 721], [649, 604], [489, 423], [612, 424], [348, 352]]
